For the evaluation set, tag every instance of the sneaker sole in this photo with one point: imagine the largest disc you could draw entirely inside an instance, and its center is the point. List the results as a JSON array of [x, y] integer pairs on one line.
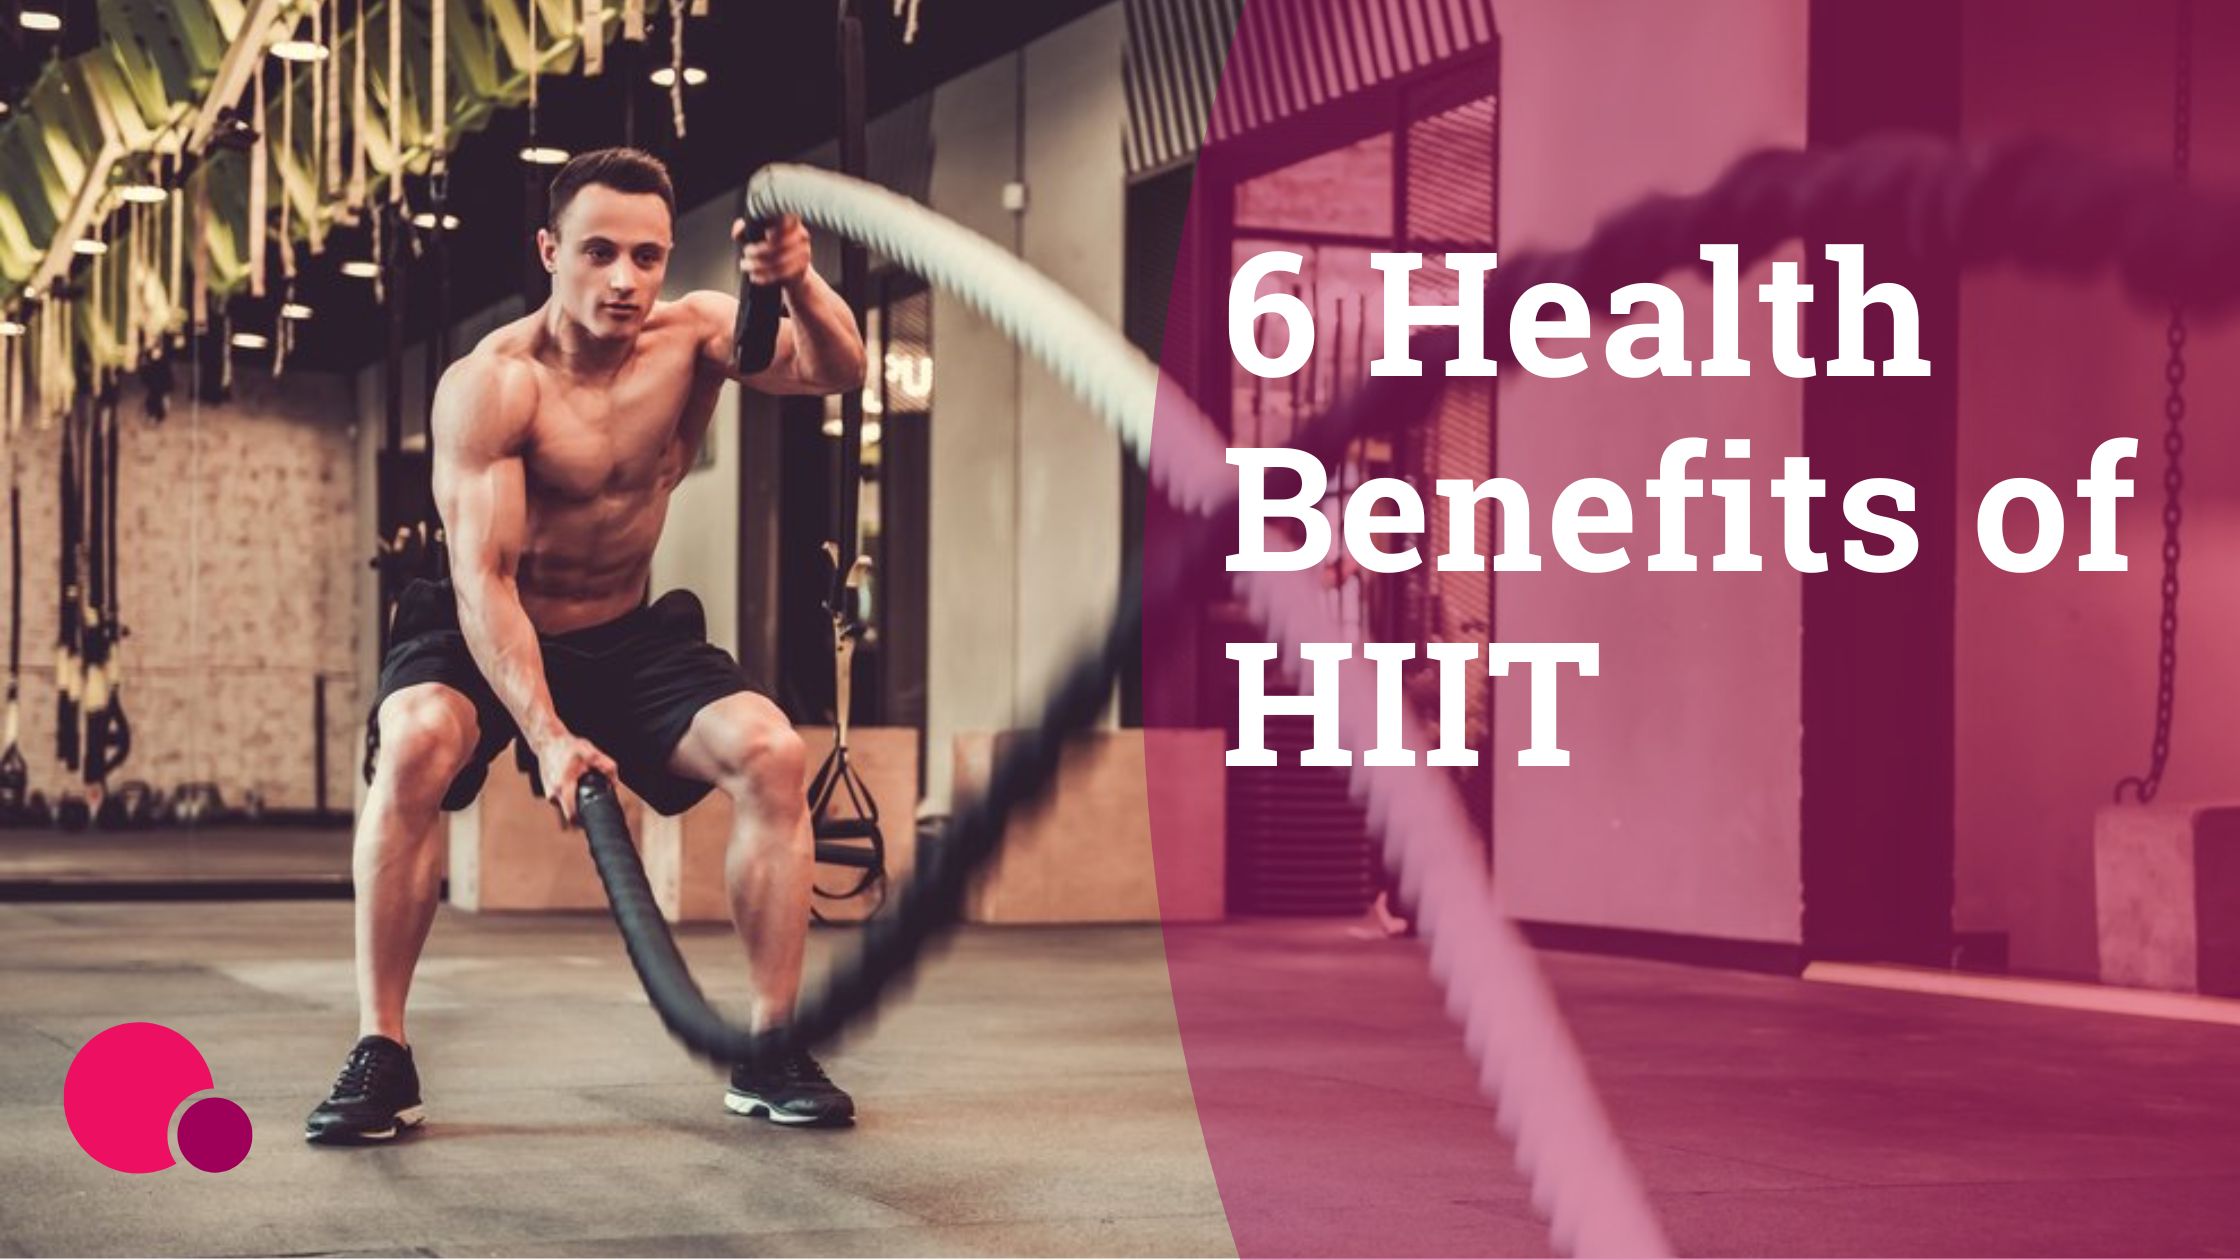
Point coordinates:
[[750, 1106], [409, 1118]]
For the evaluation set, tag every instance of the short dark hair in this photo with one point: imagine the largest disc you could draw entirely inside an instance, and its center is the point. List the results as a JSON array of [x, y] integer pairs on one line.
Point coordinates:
[[624, 170]]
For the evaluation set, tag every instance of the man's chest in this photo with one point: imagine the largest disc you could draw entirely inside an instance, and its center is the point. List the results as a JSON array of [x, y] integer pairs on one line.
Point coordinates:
[[589, 440]]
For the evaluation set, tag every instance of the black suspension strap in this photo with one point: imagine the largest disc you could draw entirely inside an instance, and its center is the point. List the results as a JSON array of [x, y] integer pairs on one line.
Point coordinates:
[[842, 810], [15, 772], [69, 664], [2143, 787], [108, 737], [1920, 203]]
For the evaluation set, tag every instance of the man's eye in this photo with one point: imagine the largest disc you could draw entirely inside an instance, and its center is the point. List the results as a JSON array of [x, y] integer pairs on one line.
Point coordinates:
[[600, 253], [647, 258]]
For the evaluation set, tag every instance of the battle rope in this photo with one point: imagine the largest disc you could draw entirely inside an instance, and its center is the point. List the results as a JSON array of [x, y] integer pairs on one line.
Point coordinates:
[[1922, 202]]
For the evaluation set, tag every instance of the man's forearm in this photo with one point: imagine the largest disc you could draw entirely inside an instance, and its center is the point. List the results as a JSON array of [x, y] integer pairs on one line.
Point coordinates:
[[826, 346], [503, 642]]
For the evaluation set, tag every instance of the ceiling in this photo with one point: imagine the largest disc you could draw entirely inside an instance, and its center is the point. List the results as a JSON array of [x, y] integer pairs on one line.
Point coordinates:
[[771, 92]]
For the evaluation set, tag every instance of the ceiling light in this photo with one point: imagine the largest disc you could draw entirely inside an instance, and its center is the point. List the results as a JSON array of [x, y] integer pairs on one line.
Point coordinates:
[[145, 194], [361, 269], [294, 310], [10, 328], [34, 20], [299, 50], [250, 341], [90, 247], [540, 155], [694, 76], [427, 219]]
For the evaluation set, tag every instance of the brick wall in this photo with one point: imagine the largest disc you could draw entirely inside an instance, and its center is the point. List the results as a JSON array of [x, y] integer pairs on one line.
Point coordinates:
[[238, 586]]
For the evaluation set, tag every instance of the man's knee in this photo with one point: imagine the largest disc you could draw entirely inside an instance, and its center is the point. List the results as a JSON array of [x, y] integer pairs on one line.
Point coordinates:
[[427, 734], [759, 756]]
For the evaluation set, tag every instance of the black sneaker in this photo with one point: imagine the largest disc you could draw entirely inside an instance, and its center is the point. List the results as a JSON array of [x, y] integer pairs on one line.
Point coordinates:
[[793, 1091], [376, 1097]]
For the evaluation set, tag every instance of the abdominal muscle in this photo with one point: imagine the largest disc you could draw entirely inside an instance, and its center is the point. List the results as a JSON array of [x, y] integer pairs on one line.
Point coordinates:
[[589, 562]]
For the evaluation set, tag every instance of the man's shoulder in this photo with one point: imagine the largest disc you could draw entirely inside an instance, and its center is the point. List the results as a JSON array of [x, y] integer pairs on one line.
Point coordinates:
[[492, 388]]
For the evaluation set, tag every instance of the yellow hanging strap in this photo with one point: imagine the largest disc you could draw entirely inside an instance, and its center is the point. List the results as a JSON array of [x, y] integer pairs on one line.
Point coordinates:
[[439, 77], [331, 92], [591, 28], [357, 194], [634, 20], [257, 161], [198, 301], [314, 159], [536, 61], [396, 99], [128, 286], [172, 321], [283, 160], [676, 66]]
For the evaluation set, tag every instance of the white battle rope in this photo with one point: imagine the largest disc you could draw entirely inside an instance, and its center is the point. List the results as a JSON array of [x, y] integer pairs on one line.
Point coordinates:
[[1580, 1176]]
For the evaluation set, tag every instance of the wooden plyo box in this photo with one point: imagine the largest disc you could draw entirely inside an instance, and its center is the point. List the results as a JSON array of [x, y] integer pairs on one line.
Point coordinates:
[[1085, 854], [509, 851]]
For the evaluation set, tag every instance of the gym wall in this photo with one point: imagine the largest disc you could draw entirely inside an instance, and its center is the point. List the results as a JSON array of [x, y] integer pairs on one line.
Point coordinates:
[[1679, 812], [236, 583], [2056, 670]]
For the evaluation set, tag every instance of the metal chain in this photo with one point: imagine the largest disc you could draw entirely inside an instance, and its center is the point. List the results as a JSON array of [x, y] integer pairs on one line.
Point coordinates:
[[2144, 787]]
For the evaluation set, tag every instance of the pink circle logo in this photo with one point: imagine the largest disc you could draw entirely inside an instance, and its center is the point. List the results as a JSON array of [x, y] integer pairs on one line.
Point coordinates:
[[123, 1099]]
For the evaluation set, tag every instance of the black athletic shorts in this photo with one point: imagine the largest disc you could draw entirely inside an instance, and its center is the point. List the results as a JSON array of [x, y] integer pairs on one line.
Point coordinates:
[[631, 686]]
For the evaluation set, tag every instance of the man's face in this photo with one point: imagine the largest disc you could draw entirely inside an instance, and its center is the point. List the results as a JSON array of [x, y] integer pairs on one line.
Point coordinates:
[[607, 258]]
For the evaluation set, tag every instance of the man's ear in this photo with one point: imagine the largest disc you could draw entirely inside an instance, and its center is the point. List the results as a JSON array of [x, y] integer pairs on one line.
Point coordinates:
[[548, 247]]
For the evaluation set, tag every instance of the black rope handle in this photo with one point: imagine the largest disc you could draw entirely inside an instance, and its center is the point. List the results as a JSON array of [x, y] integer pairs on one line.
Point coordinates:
[[1923, 202]]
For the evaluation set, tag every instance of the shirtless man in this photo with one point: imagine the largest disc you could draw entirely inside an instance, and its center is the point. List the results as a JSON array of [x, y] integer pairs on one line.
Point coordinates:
[[557, 443]]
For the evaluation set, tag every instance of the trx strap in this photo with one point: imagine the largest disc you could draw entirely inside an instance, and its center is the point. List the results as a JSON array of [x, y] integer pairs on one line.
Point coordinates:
[[842, 811], [93, 655], [108, 736], [69, 658], [15, 774]]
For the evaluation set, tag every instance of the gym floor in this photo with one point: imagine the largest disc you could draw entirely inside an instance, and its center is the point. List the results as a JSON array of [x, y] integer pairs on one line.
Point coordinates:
[[49, 864], [1028, 1096]]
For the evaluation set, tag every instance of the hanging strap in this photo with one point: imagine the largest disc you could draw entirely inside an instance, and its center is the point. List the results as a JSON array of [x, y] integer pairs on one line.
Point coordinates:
[[591, 28], [847, 523], [357, 194], [676, 66], [439, 76], [330, 148], [257, 195], [396, 99]]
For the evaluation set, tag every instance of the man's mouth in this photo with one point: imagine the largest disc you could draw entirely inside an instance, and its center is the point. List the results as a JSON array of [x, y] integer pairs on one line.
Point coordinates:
[[620, 308]]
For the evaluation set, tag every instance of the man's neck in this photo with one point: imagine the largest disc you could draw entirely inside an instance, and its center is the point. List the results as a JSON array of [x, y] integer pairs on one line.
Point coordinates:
[[578, 353]]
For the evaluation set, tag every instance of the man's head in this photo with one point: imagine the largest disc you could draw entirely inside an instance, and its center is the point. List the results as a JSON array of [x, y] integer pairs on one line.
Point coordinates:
[[607, 237]]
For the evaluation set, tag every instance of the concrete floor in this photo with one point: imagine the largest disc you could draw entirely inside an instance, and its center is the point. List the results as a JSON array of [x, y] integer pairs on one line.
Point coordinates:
[[1028, 1097], [37, 860]]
